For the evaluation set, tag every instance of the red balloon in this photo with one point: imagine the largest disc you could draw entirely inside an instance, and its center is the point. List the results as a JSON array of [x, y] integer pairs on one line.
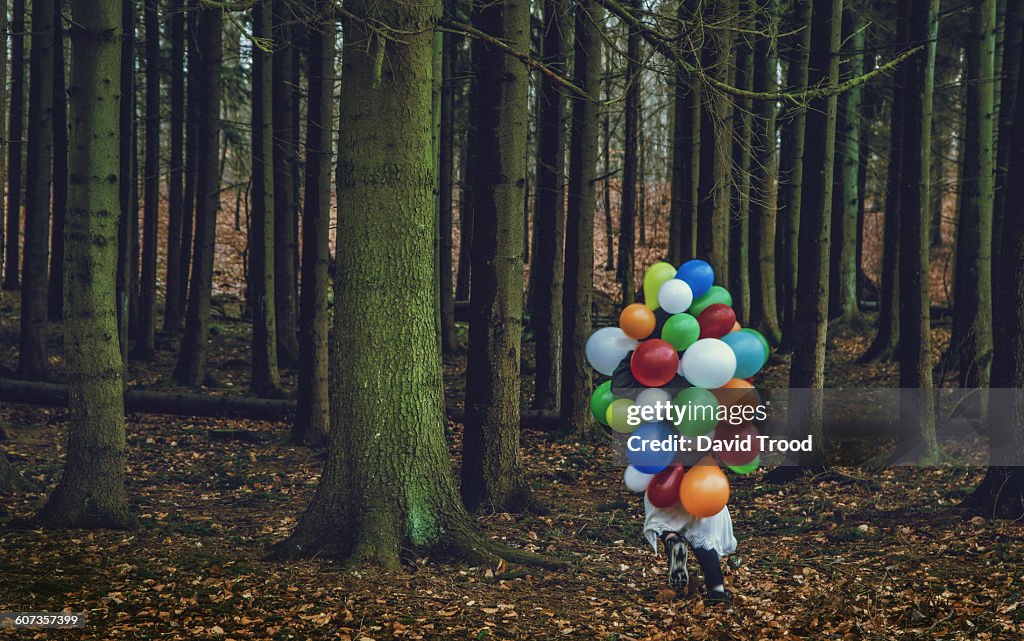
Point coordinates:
[[663, 490], [716, 321], [739, 438], [654, 362]]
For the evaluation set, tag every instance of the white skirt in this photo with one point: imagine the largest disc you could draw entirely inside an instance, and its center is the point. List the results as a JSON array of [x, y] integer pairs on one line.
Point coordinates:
[[711, 533]]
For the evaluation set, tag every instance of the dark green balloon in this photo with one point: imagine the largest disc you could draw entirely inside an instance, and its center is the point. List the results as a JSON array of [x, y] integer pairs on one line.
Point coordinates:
[[600, 400], [681, 330], [714, 295], [748, 468]]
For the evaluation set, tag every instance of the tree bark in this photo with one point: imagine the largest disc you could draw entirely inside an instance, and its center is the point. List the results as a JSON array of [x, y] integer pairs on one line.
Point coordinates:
[[606, 184], [175, 196], [446, 152], [763, 303], [15, 133], [145, 337], [682, 243], [191, 150], [126, 195], [5, 31], [742, 139], [33, 352], [191, 366], [1013, 24], [630, 149], [579, 225], [91, 491], [549, 218], [55, 288], [312, 420]]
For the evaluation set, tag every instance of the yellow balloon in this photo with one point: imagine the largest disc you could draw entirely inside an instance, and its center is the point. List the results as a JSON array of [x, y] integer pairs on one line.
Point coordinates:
[[617, 416], [654, 278]]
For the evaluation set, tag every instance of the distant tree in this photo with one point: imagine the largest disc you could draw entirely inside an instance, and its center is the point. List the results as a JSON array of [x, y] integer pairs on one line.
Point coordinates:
[[191, 163], [55, 288], [579, 224], [15, 146], [686, 92], [127, 231], [4, 30], [630, 163], [1013, 35], [91, 491], [175, 280], [450, 44], [145, 337], [191, 366], [33, 352], [739, 214]]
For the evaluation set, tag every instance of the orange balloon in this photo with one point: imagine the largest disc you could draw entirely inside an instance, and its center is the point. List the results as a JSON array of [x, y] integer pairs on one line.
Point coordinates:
[[637, 321], [704, 490], [737, 391], [736, 327]]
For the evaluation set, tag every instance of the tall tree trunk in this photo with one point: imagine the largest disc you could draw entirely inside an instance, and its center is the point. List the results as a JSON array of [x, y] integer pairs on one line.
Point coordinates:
[[145, 338], [763, 304], [191, 366], [175, 283], [491, 472], [126, 195], [714, 195], [384, 491], [810, 323], [91, 491], [467, 175], [739, 219], [682, 243], [630, 145], [606, 184], [449, 52], [845, 195], [285, 103], [1010, 71], [4, 30], [312, 418], [972, 284], [33, 352], [579, 224], [191, 148], [55, 288], [791, 167], [15, 133], [917, 409], [549, 219], [266, 381]]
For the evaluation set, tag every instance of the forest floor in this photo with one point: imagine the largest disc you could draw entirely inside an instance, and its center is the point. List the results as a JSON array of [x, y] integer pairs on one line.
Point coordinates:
[[879, 556]]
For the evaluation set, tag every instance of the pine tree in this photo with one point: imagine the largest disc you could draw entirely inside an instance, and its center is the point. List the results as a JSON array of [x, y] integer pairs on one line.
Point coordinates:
[[175, 281], [15, 147], [145, 337]]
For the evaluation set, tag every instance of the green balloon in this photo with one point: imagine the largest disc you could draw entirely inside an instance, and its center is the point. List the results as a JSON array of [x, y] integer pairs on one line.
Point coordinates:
[[617, 416], [654, 278], [760, 337], [699, 407], [600, 400], [681, 330], [714, 295], [748, 468]]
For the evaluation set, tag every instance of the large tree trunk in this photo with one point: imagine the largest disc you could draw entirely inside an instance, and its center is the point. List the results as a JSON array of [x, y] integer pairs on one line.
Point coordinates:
[[716, 149], [145, 337], [1010, 72], [386, 490], [763, 304], [4, 29], [972, 284], [191, 149], [191, 366], [33, 353], [579, 224], [917, 408], [739, 218], [446, 156], [549, 219], [312, 420], [791, 167], [810, 323], [846, 195], [491, 472], [91, 491], [266, 381], [285, 105], [55, 288], [175, 197], [682, 243], [126, 195], [630, 153], [15, 146]]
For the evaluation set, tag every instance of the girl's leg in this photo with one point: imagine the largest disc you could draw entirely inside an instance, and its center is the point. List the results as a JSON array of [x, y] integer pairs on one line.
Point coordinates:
[[676, 551], [711, 567]]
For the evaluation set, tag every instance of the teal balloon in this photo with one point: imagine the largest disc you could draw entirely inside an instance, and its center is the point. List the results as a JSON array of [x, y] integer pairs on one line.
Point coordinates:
[[750, 354], [716, 294], [748, 468], [600, 400], [760, 337], [681, 331], [700, 409]]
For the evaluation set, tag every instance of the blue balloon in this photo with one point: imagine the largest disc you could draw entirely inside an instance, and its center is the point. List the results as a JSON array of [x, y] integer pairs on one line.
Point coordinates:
[[698, 275], [639, 450], [750, 356]]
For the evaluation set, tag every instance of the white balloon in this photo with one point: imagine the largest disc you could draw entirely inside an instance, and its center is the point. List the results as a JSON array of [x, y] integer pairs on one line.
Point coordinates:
[[675, 296], [607, 347], [651, 396], [708, 363], [636, 480]]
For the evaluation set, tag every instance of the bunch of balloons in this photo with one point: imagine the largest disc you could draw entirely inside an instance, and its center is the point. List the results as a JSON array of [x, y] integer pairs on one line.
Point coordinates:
[[682, 346]]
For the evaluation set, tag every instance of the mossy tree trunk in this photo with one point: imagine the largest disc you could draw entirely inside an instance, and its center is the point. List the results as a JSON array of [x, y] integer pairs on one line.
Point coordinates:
[[312, 418], [175, 283], [91, 491], [15, 146], [491, 471], [549, 218], [579, 224], [191, 367], [33, 354]]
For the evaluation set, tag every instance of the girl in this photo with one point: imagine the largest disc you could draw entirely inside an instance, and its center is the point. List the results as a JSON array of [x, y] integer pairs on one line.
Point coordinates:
[[711, 539]]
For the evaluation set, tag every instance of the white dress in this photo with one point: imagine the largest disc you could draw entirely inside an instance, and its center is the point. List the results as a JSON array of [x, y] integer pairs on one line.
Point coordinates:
[[711, 533]]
